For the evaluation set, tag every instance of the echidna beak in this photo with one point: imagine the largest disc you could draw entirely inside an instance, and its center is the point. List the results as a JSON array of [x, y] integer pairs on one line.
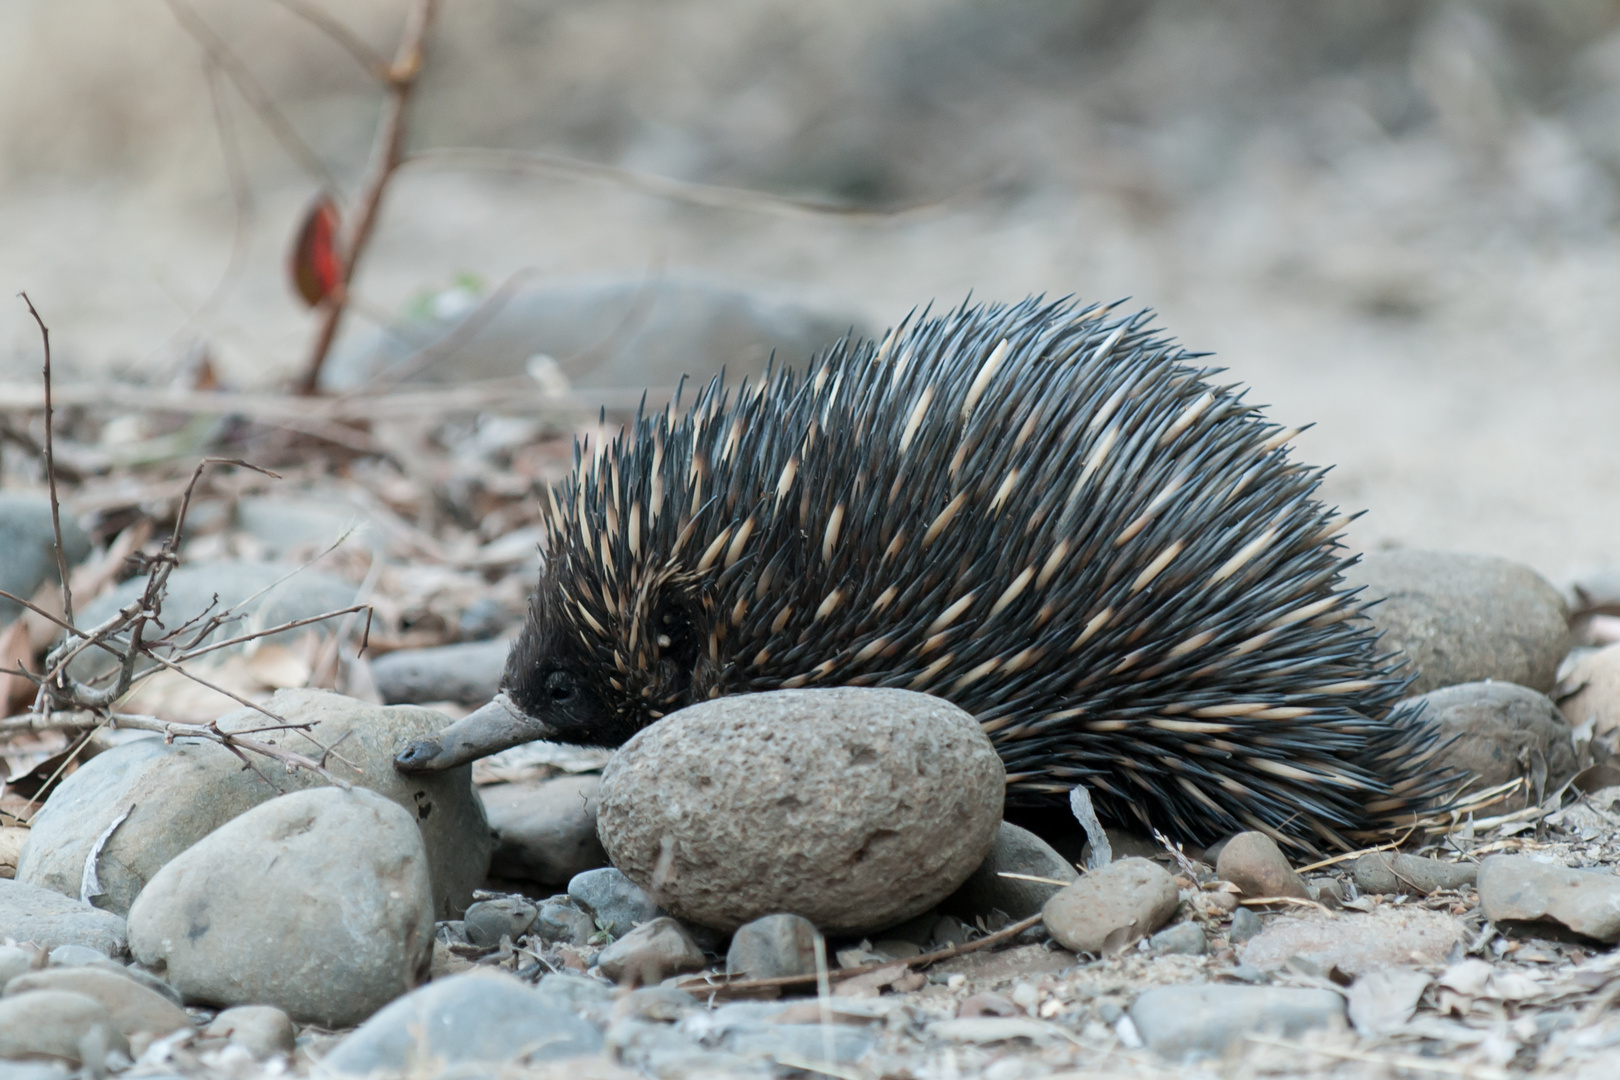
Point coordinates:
[[493, 728]]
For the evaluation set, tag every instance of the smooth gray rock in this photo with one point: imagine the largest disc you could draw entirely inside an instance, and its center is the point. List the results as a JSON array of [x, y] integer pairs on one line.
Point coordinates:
[[28, 547], [664, 1003], [1112, 907], [855, 808], [1463, 618], [1254, 863], [798, 1041], [296, 527], [16, 960], [134, 1008], [487, 921], [1500, 732], [317, 902], [269, 594], [1018, 851], [58, 1024], [176, 794], [482, 1017], [38, 1069], [651, 952], [632, 332], [1181, 1022], [1388, 936], [468, 673], [1412, 875], [1182, 939], [545, 830], [46, 918], [574, 991], [262, 1030], [1515, 890], [559, 921], [773, 946], [76, 956], [613, 899], [1245, 925]]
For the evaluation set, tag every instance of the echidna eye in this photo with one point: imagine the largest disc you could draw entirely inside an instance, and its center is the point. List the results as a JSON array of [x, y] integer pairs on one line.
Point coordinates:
[[560, 686]]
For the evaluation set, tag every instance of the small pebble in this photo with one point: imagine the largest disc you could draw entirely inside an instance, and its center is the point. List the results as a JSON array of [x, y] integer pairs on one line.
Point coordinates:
[[1179, 1022], [262, 1030], [650, 952], [1396, 872], [59, 1024], [773, 946], [560, 920], [1182, 939], [1254, 863], [1245, 924], [1112, 907], [617, 902], [487, 921]]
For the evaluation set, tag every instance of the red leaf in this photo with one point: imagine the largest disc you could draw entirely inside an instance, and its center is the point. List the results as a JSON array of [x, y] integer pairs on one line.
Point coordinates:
[[316, 270]]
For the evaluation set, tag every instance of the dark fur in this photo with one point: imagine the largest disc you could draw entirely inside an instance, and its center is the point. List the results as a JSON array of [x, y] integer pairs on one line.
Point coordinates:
[[1134, 710]]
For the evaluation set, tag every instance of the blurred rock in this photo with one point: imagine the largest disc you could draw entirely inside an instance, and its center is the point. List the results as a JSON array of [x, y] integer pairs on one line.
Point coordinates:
[[134, 1008], [1254, 863], [488, 921], [1591, 691], [772, 946], [1182, 939], [262, 1030], [560, 920], [46, 918], [175, 794], [1464, 618], [59, 1024], [1112, 907], [1181, 1022], [1399, 873], [650, 952], [612, 899], [896, 798], [1018, 851], [469, 674], [479, 1018], [545, 829], [1502, 732], [317, 902], [604, 332], [1518, 892], [301, 527], [1387, 936], [28, 547]]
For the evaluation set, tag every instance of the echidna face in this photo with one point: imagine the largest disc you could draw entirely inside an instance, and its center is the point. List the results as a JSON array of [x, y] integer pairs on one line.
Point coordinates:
[[550, 681]]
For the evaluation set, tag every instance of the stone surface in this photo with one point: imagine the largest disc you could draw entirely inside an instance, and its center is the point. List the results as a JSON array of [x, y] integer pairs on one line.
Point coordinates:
[[612, 899], [1245, 925], [562, 921], [178, 793], [1517, 890], [268, 594], [469, 673], [545, 830], [651, 952], [487, 921], [1591, 691], [133, 1007], [317, 902], [28, 547], [855, 808], [637, 331], [484, 1018], [59, 1024], [1112, 907], [1501, 732], [76, 955], [1018, 851], [262, 1030], [772, 946], [1396, 872], [46, 918], [1182, 939], [1181, 1022], [17, 960], [1254, 863], [1464, 618], [1384, 937]]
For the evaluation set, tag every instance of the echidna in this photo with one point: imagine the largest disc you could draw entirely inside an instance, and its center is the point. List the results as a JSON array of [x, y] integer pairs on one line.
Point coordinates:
[[1044, 513]]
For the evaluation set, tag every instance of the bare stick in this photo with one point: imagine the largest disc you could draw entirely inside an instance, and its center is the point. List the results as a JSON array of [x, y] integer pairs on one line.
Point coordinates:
[[254, 94], [268, 631], [402, 75], [50, 465]]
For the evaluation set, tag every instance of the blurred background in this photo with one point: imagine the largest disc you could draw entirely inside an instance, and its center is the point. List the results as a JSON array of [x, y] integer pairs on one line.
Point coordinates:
[[1394, 219]]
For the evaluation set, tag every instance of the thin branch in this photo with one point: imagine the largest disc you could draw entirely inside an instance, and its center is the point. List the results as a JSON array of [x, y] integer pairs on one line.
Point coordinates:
[[50, 464], [341, 35], [253, 93], [211, 733], [682, 191], [401, 78], [268, 631]]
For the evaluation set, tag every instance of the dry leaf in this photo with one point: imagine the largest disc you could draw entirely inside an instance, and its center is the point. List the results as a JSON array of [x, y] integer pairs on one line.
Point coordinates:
[[15, 649], [315, 267]]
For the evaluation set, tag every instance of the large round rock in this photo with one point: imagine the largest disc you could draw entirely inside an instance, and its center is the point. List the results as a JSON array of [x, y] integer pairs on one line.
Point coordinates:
[[855, 808], [317, 902]]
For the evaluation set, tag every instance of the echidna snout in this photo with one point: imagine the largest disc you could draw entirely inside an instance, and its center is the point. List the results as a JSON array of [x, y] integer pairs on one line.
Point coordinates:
[[1044, 513]]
